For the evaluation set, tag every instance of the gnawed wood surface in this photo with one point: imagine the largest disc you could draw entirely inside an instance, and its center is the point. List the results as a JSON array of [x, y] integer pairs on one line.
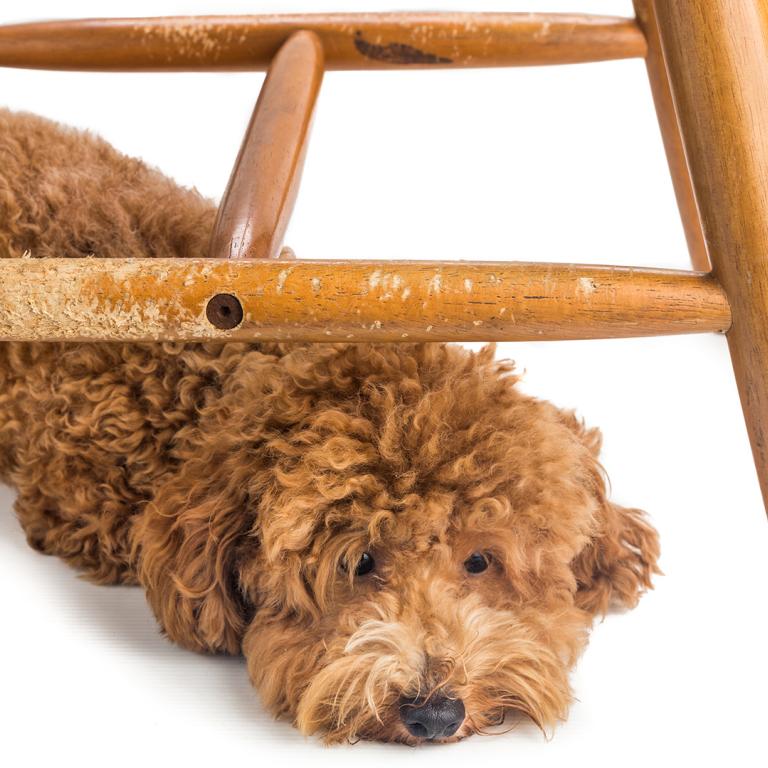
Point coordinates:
[[350, 41], [154, 299], [259, 199]]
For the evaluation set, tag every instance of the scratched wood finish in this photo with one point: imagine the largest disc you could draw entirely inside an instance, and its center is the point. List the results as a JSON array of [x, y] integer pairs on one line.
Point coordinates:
[[670, 134], [717, 58], [151, 299], [257, 205], [350, 41]]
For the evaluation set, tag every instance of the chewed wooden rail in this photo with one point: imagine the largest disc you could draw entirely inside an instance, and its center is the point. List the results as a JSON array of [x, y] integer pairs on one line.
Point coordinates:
[[203, 299], [707, 63]]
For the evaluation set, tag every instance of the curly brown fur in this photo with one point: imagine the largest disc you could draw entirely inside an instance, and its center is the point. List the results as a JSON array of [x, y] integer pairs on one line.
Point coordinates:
[[241, 484]]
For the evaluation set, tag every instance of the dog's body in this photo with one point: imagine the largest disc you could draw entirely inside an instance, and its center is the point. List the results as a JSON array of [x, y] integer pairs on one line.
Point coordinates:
[[403, 545]]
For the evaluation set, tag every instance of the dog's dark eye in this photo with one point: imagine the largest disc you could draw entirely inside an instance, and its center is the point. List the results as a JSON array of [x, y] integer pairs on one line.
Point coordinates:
[[477, 562], [365, 565]]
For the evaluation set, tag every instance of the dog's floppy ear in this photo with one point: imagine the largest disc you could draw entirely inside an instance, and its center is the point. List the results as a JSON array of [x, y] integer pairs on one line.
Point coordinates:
[[188, 543], [617, 564]]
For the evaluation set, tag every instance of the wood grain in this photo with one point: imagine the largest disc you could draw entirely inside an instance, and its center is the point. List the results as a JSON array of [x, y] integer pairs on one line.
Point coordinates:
[[670, 134], [152, 299], [257, 204], [717, 59], [350, 41]]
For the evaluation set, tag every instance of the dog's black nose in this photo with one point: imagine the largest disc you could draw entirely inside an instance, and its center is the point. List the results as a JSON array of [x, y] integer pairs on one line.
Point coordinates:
[[437, 717]]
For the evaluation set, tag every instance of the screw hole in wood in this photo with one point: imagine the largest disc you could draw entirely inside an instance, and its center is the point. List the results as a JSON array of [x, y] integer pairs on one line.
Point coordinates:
[[224, 311]]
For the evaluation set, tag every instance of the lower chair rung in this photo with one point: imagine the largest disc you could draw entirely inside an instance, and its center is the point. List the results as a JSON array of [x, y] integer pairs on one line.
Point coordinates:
[[204, 299]]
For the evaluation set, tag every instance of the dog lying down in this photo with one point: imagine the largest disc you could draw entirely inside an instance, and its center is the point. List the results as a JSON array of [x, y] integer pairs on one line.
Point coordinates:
[[403, 545]]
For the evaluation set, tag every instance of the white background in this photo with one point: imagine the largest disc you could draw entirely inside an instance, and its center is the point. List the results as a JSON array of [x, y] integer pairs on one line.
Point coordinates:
[[558, 164]]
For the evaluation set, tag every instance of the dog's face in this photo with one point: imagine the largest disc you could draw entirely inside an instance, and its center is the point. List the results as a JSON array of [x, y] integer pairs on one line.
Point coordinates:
[[403, 544], [423, 630], [414, 570]]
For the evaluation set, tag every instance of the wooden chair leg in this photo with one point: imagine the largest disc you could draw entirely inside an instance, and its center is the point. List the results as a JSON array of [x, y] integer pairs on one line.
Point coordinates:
[[717, 60], [670, 134], [259, 198]]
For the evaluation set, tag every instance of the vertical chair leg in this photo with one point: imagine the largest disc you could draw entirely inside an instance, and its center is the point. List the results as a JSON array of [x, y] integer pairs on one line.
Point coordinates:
[[717, 58], [670, 134]]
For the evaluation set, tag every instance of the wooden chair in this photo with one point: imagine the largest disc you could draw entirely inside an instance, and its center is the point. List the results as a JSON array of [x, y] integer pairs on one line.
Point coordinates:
[[707, 62]]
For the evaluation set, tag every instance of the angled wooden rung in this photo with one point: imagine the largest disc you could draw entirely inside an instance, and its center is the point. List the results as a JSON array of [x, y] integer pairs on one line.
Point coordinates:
[[259, 198], [350, 41], [670, 134], [203, 299]]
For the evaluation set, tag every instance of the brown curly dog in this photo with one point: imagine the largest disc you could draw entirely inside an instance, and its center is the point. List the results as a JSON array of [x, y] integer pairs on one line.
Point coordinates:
[[404, 546]]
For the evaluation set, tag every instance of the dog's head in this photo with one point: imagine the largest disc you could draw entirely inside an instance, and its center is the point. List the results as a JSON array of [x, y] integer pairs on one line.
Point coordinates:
[[404, 545]]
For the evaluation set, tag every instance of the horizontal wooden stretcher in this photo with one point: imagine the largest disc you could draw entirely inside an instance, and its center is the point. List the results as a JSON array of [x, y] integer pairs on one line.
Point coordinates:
[[203, 299], [349, 41]]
